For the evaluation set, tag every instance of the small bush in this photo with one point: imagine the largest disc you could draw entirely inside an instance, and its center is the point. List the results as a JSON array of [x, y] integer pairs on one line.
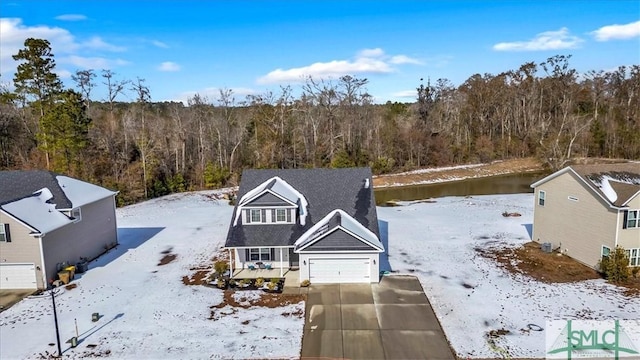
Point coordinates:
[[305, 283], [272, 285], [275, 280], [221, 267], [221, 283], [635, 271], [259, 282], [245, 282], [615, 266]]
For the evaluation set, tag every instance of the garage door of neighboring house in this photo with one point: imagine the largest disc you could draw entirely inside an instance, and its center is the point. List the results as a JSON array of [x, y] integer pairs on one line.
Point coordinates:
[[18, 276], [339, 270]]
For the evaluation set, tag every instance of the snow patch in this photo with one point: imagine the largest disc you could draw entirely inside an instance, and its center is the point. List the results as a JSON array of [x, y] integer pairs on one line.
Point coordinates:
[[607, 190]]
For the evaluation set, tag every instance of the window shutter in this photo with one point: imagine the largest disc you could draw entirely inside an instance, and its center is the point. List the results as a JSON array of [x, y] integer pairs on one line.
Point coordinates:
[[273, 215], [7, 233], [264, 216], [247, 216], [273, 254], [626, 217], [246, 255]]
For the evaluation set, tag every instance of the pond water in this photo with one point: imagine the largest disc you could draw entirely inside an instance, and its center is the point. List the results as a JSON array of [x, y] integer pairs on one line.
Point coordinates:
[[500, 184]]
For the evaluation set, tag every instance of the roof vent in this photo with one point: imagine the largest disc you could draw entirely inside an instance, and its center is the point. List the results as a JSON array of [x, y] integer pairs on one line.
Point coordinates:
[[366, 183]]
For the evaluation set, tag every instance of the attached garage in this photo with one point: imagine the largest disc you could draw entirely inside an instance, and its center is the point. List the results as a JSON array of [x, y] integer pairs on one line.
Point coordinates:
[[341, 270], [17, 276]]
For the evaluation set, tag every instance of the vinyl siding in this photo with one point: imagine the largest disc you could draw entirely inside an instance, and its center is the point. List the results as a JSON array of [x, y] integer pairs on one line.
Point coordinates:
[[23, 247], [241, 261], [87, 238], [338, 240], [629, 238], [579, 228]]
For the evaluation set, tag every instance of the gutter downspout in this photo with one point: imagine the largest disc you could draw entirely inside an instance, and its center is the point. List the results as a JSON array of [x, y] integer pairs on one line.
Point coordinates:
[[44, 266], [281, 272], [617, 228]]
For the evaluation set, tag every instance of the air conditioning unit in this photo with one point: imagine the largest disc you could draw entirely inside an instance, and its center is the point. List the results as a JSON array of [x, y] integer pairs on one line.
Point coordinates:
[[546, 247]]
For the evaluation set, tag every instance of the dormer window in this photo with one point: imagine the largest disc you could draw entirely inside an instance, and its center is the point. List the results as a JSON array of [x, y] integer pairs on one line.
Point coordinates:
[[273, 202]]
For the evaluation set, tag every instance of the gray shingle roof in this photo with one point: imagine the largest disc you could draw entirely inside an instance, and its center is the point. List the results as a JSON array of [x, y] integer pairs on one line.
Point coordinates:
[[325, 190], [626, 178], [17, 184]]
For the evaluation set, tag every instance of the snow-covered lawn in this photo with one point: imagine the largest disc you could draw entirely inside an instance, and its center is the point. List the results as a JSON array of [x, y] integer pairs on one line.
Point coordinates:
[[146, 311], [470, 294]]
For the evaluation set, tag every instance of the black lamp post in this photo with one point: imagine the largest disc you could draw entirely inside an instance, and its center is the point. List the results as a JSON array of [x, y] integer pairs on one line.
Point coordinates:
[[55, 320]]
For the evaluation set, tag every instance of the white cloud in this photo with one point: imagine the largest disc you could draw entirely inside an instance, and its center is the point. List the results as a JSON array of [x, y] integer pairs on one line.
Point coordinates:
[[406, 94], [404, 59], [71, 17], [168, 66], [212, 94], [617, 32], [63, 74], [377, 52], [548, 40], [367, 61], [64, 46], [97, 43], [160, 44], [95, 62]]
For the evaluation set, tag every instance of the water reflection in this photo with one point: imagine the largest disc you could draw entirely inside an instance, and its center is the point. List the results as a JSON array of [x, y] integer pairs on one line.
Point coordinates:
[[501, 184]]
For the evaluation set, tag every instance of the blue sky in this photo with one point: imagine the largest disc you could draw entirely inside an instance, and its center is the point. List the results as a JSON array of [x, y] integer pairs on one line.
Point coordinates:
[[185, 47]]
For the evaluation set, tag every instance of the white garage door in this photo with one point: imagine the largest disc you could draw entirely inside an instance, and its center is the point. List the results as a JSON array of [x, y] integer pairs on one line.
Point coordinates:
[[18, 276], [339, 271]]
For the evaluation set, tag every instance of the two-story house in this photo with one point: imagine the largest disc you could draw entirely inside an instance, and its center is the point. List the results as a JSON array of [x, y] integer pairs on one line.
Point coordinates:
[[585, 211], [320, 221], [47, 219]]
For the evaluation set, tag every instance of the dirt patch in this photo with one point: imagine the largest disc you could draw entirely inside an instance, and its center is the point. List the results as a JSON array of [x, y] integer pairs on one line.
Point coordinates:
[[503, 167], [511, 214], [546, 267], [269, 300], [71, 286], [167, 259], [199, 277], [632, 287]]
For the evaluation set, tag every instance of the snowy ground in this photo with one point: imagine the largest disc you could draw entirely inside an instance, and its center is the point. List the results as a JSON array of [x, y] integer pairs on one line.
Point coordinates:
[[470, 294], [146, 311]]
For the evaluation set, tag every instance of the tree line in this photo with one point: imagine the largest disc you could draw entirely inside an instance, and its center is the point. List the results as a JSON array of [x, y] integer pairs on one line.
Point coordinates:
[[146, 149]]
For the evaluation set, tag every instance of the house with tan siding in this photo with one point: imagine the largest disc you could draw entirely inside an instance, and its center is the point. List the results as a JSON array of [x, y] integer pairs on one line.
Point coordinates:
[[48, 219], [586, 211]]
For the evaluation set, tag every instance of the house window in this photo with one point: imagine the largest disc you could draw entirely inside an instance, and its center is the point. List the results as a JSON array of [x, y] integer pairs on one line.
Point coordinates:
[[255, 215], [631, 219], [605, 251], [634, 257], [281, 215], [541, 196], [260, 254], [4, 233]]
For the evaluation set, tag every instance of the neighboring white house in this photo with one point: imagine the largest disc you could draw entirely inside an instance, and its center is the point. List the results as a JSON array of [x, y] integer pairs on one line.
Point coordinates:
[[320, 221], [586, 211], [47, 219]]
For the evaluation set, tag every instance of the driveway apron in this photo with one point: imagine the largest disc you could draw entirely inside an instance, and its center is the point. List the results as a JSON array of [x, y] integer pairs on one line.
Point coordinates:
[[389, 320]]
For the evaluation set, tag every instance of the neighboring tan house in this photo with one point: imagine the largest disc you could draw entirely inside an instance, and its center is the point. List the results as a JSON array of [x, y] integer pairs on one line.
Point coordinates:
[[47, 219], [585, 211], [322, 221]]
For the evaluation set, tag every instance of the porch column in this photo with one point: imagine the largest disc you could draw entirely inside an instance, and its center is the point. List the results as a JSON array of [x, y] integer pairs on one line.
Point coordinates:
[[230, 263], [281, 273]]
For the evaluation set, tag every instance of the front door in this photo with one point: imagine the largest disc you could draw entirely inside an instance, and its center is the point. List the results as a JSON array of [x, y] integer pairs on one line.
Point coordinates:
[[294, 258]]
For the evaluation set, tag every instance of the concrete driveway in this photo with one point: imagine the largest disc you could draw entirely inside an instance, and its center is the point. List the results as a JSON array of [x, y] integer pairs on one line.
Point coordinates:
[[8, 298], [389, 320]]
